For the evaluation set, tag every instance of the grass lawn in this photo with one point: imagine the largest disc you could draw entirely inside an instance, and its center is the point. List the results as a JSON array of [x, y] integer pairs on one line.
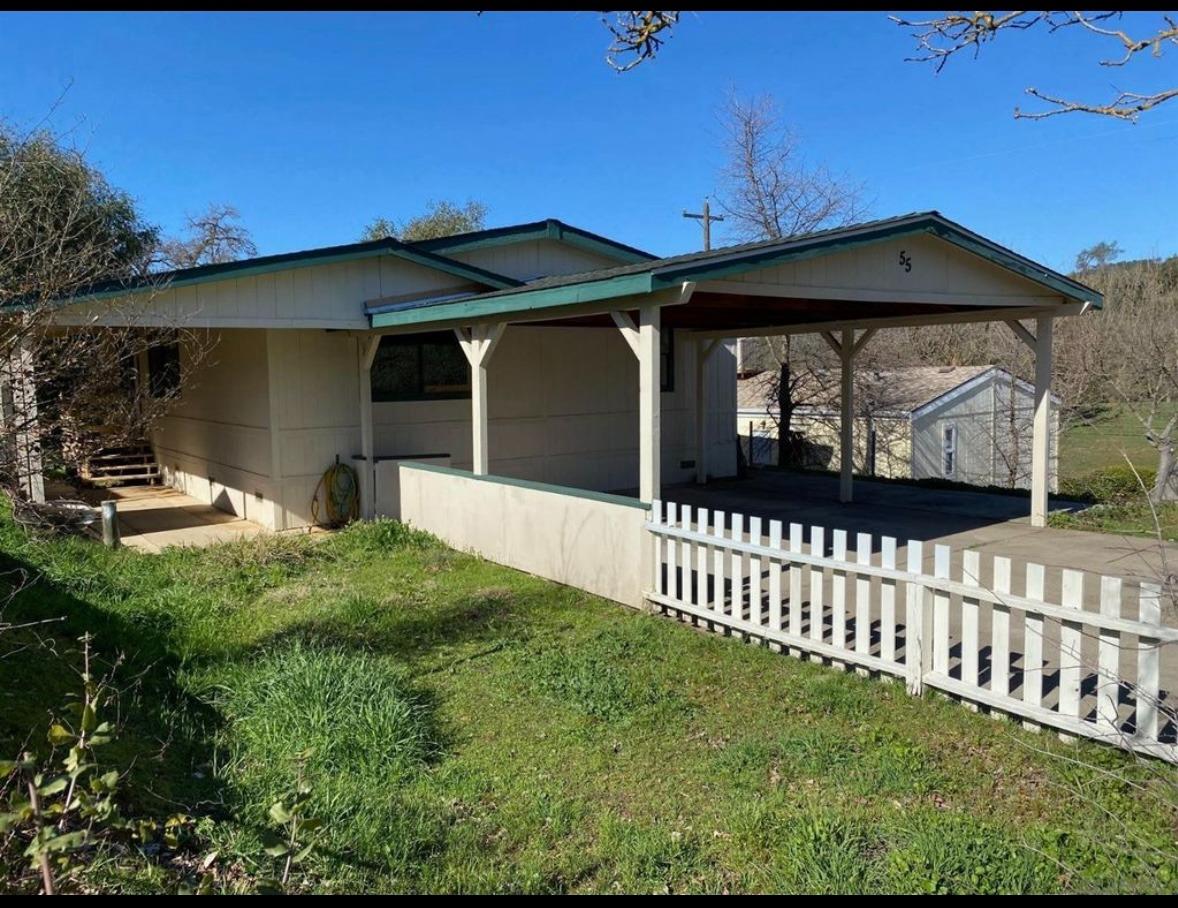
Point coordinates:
[[471, 728], [1094, 448], [1104, 441]]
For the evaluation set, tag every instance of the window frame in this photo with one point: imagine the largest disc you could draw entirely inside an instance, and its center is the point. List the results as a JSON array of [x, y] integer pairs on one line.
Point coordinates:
[[417, 342], [949, 439], [169, 371], [667, 360]]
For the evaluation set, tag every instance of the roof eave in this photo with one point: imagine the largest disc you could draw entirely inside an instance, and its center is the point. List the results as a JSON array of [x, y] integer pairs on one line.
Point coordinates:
[[480, 307], [205, 274]]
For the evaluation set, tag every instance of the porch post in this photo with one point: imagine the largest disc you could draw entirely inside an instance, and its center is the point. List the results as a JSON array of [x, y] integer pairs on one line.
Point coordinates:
[[367, 348], [703, 353], [478, 343], [1041, 437], [649, 438], [847, 416]]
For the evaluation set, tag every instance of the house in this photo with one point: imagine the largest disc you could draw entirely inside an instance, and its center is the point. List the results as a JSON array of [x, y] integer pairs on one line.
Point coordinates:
[[588, 368], [271, 385], [971, 424]]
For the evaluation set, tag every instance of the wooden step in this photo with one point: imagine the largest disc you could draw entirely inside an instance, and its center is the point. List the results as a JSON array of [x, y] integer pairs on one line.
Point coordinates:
[[134, 463]]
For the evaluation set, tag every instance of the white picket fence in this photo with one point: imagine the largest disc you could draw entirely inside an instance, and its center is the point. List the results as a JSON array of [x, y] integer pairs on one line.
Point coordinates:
[[1022, 654]]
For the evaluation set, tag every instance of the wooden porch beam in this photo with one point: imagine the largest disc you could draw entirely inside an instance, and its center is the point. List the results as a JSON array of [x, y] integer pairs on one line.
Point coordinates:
[[629, 330], [908, 321]]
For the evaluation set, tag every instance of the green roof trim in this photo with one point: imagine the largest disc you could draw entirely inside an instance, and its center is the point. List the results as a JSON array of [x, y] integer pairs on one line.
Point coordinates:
[[490, 304], [659, 274], [267, 264], [549, 229]]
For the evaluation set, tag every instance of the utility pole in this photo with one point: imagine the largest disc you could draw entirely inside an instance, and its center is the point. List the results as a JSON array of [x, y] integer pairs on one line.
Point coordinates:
[[706, 219]]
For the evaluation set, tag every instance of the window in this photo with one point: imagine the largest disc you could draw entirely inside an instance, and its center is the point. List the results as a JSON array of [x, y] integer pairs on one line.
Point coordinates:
[[949, 451], [420, 367], [163, 370], [667, 359]]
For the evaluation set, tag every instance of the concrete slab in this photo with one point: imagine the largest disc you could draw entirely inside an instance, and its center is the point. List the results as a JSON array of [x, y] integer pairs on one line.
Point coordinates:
[[990, 524], [152, 518]]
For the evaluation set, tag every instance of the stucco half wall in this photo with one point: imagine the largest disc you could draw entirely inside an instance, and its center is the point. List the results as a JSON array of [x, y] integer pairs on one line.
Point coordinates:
[[588, 540]]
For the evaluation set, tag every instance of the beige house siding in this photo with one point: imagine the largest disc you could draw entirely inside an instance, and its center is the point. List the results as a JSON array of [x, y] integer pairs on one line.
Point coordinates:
[[268, 411], [563, 408], [534, 258], [309, 296], [214, 444], [878, 272]]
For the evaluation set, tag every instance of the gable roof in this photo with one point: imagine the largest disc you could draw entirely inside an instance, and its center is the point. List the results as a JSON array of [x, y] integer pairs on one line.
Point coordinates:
[[548, 229], [658, 274], [908, 391], [265, 264], [429, 253]]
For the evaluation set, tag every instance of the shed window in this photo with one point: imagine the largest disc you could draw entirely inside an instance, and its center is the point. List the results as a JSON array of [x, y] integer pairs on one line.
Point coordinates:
[[163, 370], [420, 367], [949, 451]]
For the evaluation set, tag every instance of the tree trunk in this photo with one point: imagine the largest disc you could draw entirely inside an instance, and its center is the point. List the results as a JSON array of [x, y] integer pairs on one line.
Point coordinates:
[[785, 409], [1165, 487]]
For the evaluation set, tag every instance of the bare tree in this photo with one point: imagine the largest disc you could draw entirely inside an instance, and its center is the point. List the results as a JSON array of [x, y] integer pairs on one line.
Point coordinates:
[[67, 381], [941, 38], [212, 237], [769, 191]]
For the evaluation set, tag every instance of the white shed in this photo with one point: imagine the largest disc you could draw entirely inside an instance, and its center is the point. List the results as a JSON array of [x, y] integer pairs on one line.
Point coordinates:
[[971, 424]]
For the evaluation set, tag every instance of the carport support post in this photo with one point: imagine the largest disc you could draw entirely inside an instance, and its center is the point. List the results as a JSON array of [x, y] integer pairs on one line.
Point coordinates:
[[478, 343], [366, 356], [1041, 437], [649, 417], [847, 416]]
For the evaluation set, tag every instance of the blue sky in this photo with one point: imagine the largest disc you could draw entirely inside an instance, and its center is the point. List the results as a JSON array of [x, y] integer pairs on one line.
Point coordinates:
[[312, 125]]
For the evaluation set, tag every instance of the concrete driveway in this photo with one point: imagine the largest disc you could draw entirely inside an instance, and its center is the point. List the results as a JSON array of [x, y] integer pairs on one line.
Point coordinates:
[[990, 524]]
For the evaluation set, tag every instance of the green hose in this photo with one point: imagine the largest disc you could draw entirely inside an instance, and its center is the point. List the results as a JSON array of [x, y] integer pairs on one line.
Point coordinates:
[[341, 496]]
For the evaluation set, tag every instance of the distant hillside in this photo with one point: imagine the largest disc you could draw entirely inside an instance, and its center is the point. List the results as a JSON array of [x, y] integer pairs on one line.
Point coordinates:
[[1167, 266]]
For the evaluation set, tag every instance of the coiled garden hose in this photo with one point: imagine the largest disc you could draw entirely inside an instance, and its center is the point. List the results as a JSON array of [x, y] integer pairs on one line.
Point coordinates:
[[340, 487]]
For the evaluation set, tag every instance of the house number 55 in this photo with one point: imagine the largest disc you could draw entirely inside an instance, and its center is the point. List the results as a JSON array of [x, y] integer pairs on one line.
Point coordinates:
[[905, 260]]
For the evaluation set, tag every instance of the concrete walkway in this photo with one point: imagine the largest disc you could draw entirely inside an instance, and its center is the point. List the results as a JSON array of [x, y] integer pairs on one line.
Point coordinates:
[[152, 518]]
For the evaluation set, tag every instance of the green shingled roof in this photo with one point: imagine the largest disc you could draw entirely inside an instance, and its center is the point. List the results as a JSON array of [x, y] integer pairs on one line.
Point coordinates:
[[326, 255], [656, 274], [549, 229]]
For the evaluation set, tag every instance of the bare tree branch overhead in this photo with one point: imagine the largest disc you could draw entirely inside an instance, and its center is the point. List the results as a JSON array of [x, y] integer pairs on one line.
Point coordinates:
[[943, 37], [638, 35]]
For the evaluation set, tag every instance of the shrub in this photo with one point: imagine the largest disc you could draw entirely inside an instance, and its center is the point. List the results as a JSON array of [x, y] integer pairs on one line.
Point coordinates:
[[1116, 484]]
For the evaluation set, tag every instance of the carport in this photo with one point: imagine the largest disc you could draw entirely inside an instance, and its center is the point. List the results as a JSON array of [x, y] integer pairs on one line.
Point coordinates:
[[843, 284]]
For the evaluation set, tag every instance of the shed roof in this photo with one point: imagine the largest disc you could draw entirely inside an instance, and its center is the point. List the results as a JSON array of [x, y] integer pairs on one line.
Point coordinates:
[[900, 391]]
